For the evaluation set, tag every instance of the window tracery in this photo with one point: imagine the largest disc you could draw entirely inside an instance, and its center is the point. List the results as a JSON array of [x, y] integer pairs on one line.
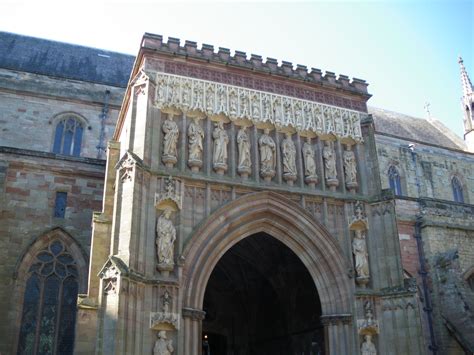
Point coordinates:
[[394, 180], [68, 136], [49, 304], [457, 190]]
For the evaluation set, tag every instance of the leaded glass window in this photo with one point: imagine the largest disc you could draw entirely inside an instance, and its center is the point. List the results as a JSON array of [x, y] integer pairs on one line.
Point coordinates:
[[457, 190], [49, 304], [394, 180], [68, 137]]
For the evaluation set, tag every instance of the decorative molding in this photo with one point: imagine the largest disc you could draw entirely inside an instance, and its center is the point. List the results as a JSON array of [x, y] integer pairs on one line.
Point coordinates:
[[194, 314], [334, 319], [359, 218], [164, 321], [172, 196], [213, 99]]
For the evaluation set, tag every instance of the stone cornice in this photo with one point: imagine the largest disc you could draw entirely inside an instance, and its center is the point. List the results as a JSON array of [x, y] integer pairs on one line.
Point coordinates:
[[202, 97]]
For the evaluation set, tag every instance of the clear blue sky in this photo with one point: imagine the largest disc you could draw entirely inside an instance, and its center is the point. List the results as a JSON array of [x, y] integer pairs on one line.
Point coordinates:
[[406, 50]]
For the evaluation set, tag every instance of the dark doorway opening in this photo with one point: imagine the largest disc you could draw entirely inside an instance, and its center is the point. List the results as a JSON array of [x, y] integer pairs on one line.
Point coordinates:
[[261, 300]]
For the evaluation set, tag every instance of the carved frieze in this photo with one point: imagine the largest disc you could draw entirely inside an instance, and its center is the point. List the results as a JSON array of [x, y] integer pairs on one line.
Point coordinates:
[[187, 94]]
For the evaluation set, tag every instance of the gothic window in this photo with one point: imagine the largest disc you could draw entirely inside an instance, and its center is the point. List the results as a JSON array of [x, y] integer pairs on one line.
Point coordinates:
[[457, 190], [394, 180], [49, 304], [68, 136]]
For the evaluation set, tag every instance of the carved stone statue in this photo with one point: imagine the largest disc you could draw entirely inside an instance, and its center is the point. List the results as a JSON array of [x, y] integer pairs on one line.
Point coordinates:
[[166, 298], [267, 155], [361, 261], [165, 237], [245, 161], [220, 148], [330, 164], [170, 141], [288, 151], [368, 348], [163, 345], [350, 169], [195, 137], [309, 164]]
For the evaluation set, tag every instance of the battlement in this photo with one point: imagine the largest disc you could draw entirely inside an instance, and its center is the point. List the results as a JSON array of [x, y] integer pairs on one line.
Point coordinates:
[[254, 62]]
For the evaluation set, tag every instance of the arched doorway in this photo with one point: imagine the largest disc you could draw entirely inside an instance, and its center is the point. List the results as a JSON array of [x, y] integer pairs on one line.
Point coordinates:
[[292, 226], [260, 299]]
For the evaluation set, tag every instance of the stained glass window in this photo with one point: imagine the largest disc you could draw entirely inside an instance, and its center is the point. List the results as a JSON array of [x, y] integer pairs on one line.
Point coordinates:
[[394, 180], [49, 304], [68, 137], [457, 190]]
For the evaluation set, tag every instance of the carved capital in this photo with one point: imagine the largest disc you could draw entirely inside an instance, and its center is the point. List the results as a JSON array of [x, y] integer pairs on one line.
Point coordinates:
[[193, 313]]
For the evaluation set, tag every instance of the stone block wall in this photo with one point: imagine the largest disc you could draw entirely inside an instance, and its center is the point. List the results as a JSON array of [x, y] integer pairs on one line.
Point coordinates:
[[28, 184], [433, 170], [30, 107]]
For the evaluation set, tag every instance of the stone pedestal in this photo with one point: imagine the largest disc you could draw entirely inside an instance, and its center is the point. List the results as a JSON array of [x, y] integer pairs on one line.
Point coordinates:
[[220, 168], [267, 175], [311, 181], [195, 165], [289, 178], [169, 160], [332, 183], [244, 172]]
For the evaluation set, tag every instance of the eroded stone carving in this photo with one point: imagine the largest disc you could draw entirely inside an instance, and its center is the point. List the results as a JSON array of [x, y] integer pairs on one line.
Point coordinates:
[[237, 102], [288, 151], [126, 169], [163, 345], [244, 167], [368, 348], [219, 157], [361, 257], [368, 325], [350, 169], [330, 170], [267, 148], [165, 238], [310, 176], [195, 138], [170, 141]]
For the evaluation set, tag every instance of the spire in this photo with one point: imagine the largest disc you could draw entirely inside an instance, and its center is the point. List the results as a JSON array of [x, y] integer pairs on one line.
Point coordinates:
[[465, 82]]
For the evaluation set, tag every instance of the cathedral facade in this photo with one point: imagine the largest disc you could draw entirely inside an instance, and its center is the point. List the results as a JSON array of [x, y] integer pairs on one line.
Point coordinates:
[[199, 202]]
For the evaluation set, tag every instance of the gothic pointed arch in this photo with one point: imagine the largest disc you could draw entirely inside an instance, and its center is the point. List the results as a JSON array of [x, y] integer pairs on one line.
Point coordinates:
[[458, 189], [50, 274], [286, 221]]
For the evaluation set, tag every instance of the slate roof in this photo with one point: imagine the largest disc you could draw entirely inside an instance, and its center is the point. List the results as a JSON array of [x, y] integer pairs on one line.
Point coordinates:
[[64, 60], [417, 129]]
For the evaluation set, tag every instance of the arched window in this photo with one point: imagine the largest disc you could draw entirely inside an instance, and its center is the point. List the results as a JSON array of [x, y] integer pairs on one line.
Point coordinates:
[[49, 303], [68, 136], [394, 180], [457, 190]]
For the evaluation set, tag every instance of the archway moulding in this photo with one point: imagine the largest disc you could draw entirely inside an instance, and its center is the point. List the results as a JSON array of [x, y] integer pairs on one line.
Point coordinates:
[[284, 220]]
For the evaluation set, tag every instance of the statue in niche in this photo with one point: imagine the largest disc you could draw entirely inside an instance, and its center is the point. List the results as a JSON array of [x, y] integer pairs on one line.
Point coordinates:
[[165, 238], [197, 93], [195, 137], [210, 98], [368, 348], [170, 141], [243, 143], [267, 155], [222, 95], [220, 147], [329, 161], [350, 167], [288, 151], [255, 107], [166, 298], [163, 345], [359, 249], [174, 92], [232, 103], [186, 95], [244, 104], [266, 108], [308, 159]]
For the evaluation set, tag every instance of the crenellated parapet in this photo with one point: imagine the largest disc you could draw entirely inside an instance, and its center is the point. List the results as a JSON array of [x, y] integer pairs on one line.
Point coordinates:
[[285, 70]]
